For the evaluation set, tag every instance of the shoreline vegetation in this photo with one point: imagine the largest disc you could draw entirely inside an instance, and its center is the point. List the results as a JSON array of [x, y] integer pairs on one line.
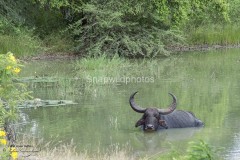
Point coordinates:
[[172, 49], [196, 150], [30, 48], [126, 29]]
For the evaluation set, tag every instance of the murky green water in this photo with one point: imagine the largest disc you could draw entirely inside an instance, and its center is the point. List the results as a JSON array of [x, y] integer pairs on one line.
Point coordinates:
[[207, 84]]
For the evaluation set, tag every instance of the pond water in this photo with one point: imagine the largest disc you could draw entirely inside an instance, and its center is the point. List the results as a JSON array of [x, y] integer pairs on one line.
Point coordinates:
[[206, 83]]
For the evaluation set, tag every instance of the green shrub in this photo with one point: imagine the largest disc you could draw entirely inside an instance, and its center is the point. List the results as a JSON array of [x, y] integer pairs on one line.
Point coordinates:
[[118, 32], [201, 151], [196, 150], [215, 35], [58, 42], [11, 94], [19, 39]]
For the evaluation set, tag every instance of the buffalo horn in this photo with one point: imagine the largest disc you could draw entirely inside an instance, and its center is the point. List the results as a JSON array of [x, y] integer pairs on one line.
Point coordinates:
[[134, 106], [171, 108]]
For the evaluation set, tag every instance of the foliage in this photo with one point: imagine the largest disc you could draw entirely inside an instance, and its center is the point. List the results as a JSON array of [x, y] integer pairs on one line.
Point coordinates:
[[6, 27], [110, 31], [70, 152], [215, 35], [17, 38], [7, 151], [133, 28], [11, 94], [208, 29], [201, 151], [17, 33], [24, 43], [12, 10], [103, 70], [58, 42], [197, 150], [130, 29], [28, 13], [205, 12], [127, 28], [3, 142], [234, 11]]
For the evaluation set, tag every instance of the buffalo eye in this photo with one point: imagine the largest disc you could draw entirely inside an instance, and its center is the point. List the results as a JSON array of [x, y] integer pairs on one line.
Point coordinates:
[[156, 116], [140, 122], [144, 116]]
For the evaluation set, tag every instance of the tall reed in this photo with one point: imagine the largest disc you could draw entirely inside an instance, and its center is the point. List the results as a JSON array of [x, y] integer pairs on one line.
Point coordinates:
[[215, 35]]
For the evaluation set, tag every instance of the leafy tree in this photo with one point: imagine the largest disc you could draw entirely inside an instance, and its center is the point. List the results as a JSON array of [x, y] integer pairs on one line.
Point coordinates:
[[133, 28], [123, 27], [234, 11], [208, 12]]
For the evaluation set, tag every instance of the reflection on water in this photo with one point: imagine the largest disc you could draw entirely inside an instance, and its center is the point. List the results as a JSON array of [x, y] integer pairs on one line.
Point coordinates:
[[234, 152], [204, 83]]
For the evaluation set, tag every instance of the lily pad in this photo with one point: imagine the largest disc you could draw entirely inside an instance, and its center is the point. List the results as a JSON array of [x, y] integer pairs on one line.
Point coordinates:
[[44, 103]]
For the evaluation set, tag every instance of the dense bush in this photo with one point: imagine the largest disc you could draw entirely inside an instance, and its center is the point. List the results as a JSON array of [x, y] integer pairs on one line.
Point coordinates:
[[130, 28], [110, 31], [234, 11], [11, 94], [135, 28]]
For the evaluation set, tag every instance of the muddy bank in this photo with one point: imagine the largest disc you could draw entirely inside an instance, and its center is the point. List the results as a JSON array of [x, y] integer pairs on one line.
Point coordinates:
[[53, 56], [203, 47], [172, 49]]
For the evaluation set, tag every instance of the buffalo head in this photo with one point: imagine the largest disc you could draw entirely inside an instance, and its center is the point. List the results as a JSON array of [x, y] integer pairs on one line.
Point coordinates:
[[151, 119]]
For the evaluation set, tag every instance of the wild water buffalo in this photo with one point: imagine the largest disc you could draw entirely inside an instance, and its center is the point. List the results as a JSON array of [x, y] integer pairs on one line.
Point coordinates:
[[154, 118]]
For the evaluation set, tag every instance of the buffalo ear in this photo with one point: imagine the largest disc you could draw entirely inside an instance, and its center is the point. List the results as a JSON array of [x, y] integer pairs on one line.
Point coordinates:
[[163, 124], [139, 122]]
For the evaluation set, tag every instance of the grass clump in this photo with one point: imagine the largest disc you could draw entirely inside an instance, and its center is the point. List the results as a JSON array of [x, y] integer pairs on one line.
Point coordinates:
[[18, 39], [196, 150], [57, 42], [22, 45], [201, 150], [215, 35], [116, 70], [99, 63], [69, 152], [64, 153]]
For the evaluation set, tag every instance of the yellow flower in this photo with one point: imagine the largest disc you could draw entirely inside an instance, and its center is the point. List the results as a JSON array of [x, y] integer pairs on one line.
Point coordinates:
[[14, 153], [12, 58], [2, 133], [16, 70], [3, 141], [8, 67]]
